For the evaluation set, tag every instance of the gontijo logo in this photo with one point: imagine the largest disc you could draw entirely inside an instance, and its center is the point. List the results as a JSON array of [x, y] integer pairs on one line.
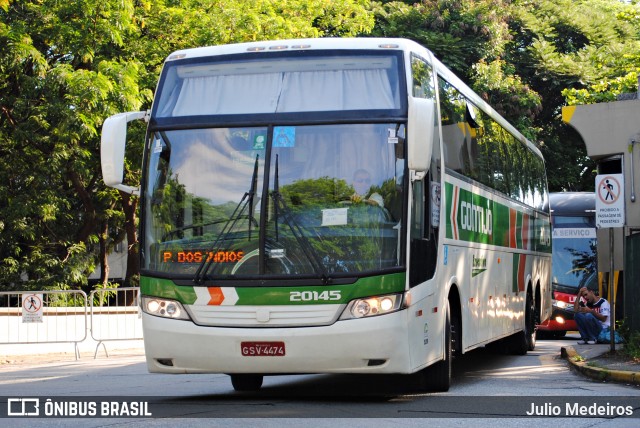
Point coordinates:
[[471, 213]]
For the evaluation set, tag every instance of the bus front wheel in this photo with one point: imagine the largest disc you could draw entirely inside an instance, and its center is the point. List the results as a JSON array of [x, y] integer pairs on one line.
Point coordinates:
[[246, 382], [437, 377]]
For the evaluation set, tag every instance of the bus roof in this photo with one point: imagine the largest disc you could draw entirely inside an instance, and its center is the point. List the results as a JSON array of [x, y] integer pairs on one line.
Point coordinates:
[[299, 45], [572, 203], [347, 43]]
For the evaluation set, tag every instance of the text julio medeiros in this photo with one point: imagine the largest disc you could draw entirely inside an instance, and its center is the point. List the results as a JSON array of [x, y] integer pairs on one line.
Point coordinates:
[[578, 409]]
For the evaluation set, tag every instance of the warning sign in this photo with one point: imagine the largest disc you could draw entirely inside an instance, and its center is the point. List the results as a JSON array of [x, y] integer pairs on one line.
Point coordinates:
[[610, 200], [32, 308]]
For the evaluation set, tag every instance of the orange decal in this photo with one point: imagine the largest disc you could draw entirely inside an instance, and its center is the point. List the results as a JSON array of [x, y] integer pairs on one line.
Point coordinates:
[[216, 296], [522, 267]]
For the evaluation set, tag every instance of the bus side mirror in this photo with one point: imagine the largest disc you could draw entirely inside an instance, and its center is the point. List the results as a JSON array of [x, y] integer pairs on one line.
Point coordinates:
[[112, 144], [420, 133]]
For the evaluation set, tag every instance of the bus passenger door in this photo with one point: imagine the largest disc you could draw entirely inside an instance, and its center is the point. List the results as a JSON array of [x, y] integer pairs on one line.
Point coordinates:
[[424, 323]]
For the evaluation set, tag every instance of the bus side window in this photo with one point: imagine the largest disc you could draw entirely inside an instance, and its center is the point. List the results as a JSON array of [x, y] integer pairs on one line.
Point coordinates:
[[424, 246]]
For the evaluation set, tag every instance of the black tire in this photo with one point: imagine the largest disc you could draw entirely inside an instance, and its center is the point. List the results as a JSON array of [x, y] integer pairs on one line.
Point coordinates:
[[437, 377], [246, 382], [531, 320], [525, 340]]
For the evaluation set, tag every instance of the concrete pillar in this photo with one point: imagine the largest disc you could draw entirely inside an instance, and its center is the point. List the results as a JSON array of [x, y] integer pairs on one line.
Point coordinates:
[[611, 133]]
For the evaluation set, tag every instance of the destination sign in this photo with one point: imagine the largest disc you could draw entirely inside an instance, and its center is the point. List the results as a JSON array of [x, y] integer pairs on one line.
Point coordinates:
[[198, 256]]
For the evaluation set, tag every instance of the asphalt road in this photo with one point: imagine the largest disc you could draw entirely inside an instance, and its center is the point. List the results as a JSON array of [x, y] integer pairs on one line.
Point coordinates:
[[486, 386]]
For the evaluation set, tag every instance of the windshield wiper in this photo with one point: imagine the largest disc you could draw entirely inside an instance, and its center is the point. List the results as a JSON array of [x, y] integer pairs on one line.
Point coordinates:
[[177, 230], [246, 201], [297, 231]]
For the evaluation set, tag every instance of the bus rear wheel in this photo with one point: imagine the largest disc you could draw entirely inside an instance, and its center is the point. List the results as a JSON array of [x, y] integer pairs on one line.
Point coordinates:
[[246, 382], [525, 340]]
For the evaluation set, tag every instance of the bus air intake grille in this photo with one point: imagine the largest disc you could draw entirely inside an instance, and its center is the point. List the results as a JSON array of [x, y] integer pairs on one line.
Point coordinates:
[[265, 316]]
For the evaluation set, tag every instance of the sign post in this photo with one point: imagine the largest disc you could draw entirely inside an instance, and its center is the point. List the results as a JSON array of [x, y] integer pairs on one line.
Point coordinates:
[[610, 214]]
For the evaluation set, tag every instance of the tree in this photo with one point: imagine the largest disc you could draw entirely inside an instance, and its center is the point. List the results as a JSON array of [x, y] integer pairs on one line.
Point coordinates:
[[525, 56], [560, 48], [459, 32], [58, 83], [65, 67]]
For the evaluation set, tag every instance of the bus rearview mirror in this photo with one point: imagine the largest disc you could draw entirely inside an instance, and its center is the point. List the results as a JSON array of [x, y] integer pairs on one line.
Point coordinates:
[[112, 147], [420, 135]]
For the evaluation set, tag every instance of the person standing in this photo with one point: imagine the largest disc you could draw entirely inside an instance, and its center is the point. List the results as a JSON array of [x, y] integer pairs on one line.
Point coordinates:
[[591, 314]]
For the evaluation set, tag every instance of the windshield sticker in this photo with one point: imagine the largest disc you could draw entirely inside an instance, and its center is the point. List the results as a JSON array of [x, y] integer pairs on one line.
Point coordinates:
[[284, 136], [334, 217], [260, 142], [392, 138]]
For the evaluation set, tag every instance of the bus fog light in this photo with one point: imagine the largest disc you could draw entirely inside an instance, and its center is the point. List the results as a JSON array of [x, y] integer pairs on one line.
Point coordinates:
[[372, 306], [560, 320], [165, 308]]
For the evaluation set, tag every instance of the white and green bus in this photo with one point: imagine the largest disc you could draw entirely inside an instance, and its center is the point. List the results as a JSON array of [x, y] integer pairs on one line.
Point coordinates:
[[331, 206]]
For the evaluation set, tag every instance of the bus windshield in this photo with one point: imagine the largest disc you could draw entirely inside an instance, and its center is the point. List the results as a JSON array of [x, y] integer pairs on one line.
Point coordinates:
[[574, 250], [253, 84], [312, 200]]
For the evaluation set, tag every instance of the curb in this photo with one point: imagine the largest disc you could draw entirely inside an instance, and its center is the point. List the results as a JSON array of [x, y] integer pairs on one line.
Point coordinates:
[[598, 373]]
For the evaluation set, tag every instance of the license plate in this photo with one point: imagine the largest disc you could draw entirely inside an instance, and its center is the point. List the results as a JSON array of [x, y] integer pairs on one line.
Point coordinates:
[[262, 349]]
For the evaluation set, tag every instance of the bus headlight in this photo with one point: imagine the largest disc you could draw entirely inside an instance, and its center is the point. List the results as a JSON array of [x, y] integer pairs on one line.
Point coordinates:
[[372, 306], [165, 308], [559, 304]]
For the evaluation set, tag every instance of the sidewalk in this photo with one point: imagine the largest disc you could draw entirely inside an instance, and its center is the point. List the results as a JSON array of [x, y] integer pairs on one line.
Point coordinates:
[[595, 362], [88, 348]]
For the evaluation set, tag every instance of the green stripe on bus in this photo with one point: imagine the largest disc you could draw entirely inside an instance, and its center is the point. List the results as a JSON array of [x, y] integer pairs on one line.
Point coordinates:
[[158, 287], [305, 295], [471, 217]]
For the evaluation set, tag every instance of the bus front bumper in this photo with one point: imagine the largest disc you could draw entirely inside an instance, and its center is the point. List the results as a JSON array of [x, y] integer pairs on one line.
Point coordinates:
[[561, 320], [368, 345]]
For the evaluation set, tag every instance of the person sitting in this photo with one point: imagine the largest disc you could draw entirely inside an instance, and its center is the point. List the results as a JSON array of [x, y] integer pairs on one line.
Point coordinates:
[[591, 315]]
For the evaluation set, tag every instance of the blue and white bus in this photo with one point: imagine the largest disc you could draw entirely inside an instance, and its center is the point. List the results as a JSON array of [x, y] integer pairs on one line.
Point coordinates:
[[573, 225]]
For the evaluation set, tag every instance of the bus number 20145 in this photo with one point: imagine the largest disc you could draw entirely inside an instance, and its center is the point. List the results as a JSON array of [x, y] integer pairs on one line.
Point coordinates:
[[311, 296]]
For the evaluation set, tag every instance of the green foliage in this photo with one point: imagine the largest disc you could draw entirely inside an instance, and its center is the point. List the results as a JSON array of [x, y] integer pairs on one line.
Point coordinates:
[[605, 90], [459, 32], [57, 88], [506, 93], [322, 191], [561, 48], [66, 66], [631, 340]]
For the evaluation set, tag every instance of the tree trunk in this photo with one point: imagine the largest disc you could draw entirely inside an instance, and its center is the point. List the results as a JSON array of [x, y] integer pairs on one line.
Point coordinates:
[[129, 206], [104, 254]]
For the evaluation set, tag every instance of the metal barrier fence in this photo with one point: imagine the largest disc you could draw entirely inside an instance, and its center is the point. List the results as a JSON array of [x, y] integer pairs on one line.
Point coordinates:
[[105, 326], [68, 316]]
